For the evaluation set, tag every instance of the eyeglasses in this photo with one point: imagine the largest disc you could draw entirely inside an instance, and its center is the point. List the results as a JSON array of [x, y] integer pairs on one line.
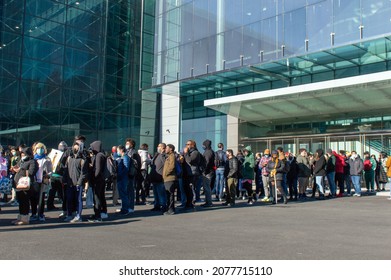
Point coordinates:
[[188, 144]]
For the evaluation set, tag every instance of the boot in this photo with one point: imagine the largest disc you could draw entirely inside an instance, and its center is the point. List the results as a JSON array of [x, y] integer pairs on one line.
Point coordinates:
[[17, 220], [24, 220]]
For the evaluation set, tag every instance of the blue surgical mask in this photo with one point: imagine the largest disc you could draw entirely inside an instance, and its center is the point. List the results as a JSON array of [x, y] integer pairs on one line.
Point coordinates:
[[40, 151]]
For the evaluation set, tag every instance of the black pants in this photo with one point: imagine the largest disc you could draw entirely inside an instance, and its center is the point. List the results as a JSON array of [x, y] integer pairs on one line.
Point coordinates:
[[340, 181], [100, 204], [24, 201], [170, 191], [142, 187], [189, 184], [57, 188], [37, 200], [249, 188]]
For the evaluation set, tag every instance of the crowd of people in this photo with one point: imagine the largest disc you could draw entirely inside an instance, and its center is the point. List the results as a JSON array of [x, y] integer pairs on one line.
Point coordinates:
[[77, 173]]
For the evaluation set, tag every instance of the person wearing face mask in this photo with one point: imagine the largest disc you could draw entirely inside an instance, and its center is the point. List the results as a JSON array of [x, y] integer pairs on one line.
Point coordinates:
[[77, 172], [248, 173], [356, 168], [134, 169], [292, 176], [275, 167], [209, 172], [304, 172], [45, 169], [15, 158], [265, 174], [156, 178], [27, 166], [57, 180]]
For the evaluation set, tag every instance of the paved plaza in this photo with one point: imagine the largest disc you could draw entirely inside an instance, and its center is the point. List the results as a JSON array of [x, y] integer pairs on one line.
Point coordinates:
[[344, 228]]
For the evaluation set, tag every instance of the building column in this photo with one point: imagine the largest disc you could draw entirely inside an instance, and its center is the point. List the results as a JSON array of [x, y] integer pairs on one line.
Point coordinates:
[[232, 133], [170, 115]]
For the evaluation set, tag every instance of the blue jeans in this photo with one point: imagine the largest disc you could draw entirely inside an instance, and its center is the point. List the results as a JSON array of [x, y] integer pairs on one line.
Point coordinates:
[[219, 183], [356, 183], [131, 183], [331, 180], [159, 192], [348, 183], [122, 187], [319, 183], [182, 190]]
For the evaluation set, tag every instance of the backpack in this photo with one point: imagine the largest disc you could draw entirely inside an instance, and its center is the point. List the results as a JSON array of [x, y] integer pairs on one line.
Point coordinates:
[[367, 165], [134, 163], [178, 168], [110, 170]]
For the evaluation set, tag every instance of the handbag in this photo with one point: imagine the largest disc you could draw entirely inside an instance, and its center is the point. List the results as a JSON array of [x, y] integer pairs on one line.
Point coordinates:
[[24, 183]]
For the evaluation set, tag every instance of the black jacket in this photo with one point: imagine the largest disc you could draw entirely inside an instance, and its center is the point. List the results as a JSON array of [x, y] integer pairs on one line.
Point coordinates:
[[209, 156], [193, 160], [320, 164], [231, 168], [27, 166], [280, 168], [98, 162], [77, 168]]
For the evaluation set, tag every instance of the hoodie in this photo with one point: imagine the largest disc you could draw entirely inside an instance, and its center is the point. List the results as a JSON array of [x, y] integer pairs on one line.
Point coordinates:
[[248, 165], [320, 164], [209, 156], [98, 161], [27, 166]]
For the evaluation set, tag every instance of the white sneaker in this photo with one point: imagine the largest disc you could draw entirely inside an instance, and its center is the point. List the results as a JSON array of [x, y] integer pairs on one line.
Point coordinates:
[[76, 220], [103, 215], [130, 211], [117, 210], [357, 194], [62, 215]]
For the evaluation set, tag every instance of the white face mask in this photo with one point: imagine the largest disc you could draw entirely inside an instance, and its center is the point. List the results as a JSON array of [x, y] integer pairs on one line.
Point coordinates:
[[354, 156], [127, 147], [24, 158]]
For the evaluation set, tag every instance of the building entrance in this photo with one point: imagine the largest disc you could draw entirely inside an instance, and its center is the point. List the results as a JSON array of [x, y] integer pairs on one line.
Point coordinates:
[[373, 142]]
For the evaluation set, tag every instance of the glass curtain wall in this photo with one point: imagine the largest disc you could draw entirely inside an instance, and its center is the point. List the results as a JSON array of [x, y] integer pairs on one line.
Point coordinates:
[[197, 37], [70, 67]]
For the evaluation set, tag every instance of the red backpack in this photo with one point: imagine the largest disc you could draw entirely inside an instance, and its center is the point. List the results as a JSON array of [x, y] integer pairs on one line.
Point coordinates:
[[367, 165]]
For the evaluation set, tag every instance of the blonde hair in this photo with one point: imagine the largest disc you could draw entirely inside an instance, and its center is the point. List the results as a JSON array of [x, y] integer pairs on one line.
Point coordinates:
[[38, 146]]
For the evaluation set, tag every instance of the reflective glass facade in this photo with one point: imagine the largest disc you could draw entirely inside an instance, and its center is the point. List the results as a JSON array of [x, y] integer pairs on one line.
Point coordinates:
[[221, 48], [72, 67]]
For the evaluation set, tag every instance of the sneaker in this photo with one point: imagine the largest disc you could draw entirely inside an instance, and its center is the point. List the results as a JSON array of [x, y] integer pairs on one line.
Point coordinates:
[[206, 205], [357, 195], [118, 210], [42, 218], [124, 212], [95, 220], [131, 211], [168, 213], [62, 215], [225, 204], [250, 202], [76, 220], [104, 215], [68, 218], [14, 203], [33, 218]]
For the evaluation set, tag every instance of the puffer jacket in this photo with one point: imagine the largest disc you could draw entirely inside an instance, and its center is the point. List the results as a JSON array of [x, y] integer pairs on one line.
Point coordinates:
[[356, 166], [320, 164], [279, 169], [248, 165]]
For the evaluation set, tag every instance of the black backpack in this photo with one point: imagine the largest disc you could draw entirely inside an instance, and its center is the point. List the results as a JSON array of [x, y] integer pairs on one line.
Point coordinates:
[[134, 163], [220, 159]]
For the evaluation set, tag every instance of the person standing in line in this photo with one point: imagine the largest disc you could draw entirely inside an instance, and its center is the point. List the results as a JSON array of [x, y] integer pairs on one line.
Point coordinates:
[[209, 172], [220, 160], [383, 179], [169, 178], [320, 172], [356, 168], [77, 173], [265, 174], [98, 182], [27, 166], [339, 172], [369, 172], [276, 168], [248, 173], [45, 169], [134, 169], [231, 171], [123, 162], [330, 173], [156, 178], [304, 172], [193, 171], [143, 182]]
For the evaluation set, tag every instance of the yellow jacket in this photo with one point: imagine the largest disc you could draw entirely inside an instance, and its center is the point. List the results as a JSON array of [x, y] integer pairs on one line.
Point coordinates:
[[388, 165]]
